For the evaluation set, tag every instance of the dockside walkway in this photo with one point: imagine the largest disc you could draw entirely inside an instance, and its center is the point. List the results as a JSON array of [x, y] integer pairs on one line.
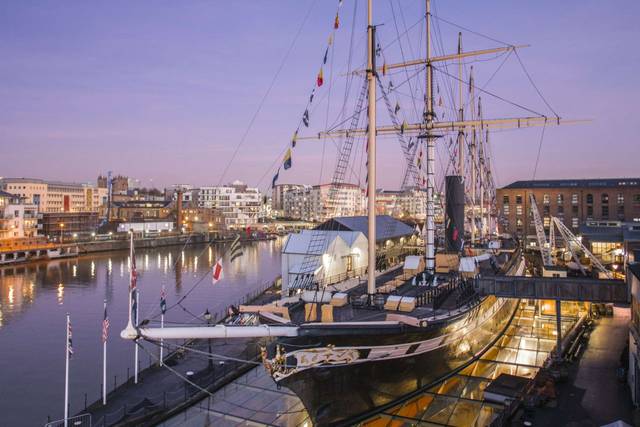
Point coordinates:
[[161, 392]]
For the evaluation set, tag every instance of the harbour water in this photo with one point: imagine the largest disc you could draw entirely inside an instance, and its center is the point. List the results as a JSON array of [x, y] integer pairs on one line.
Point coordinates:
[[35, 298]]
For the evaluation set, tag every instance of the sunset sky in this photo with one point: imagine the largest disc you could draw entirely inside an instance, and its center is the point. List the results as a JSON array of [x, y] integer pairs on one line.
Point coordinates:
[[163, 91]]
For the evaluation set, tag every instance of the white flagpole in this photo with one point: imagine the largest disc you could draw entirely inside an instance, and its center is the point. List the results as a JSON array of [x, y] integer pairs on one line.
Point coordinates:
[[104, 360], [161, 340], [66, 377], [135, 379]]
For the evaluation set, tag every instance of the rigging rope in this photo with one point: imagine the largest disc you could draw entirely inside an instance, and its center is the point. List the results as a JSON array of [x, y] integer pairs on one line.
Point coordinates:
[[266, 94]]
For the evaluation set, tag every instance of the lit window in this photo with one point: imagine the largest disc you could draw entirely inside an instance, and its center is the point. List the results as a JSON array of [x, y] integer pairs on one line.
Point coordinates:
[[560, 199], [574, 222], [620, 198], [545, 199]]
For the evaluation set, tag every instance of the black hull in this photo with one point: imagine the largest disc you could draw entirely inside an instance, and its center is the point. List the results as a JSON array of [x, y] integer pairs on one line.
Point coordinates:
[[334, 394]]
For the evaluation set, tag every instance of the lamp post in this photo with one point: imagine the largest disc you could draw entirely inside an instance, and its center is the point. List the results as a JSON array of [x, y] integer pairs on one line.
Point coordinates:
[[61, 225], [207, 317]]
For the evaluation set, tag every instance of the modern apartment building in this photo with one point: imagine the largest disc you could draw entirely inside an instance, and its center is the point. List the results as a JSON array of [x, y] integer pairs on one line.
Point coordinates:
[[56, 196], [409, 204], [18, 219], [238, 203], [318, 202], [575, 201]]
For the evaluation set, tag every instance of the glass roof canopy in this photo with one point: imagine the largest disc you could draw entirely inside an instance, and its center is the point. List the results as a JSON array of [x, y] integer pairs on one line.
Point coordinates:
[[458, 401], [254, 399]]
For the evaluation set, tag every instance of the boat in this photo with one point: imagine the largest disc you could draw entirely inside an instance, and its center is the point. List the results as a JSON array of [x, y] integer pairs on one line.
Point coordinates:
[[350, 351]]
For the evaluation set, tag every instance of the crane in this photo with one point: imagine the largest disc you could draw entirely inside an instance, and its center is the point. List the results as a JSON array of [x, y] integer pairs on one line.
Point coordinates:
[[545, 251], [571, 239]]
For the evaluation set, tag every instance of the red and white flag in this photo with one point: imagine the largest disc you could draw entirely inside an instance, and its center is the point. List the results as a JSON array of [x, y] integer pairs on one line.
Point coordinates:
[[217, 272]]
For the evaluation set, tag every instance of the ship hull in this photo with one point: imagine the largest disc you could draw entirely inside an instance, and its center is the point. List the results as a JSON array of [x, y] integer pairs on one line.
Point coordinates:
[[335, 393]]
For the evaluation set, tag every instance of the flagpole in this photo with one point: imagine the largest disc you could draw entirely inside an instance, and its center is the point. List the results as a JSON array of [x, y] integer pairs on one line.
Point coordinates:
[[104, 358], [66, 377], [161, 339], [135, 379]]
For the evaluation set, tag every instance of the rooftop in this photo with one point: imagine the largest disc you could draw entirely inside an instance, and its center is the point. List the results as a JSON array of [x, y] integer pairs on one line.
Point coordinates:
[[42, 181], [387, 227], [576, 183]]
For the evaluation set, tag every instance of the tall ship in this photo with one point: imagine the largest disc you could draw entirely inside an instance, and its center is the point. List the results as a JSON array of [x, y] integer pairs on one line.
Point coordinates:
[[347, 347]]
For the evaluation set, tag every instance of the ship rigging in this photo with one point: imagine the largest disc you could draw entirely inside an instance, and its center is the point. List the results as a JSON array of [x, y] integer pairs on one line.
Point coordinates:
[[389, 344]]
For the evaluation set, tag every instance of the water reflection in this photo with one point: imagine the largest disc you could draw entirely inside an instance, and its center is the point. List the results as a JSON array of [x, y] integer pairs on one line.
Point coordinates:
[[34, 299]]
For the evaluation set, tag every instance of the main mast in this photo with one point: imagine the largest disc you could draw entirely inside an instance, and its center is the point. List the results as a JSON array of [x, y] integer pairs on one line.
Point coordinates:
[[371, 152], [430, 223]]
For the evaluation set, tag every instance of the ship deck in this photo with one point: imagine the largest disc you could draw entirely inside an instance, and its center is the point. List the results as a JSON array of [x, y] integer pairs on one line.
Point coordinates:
[[452, 294]]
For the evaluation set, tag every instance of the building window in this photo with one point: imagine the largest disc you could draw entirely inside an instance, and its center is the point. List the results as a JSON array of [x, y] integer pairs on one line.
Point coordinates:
[[560, 209], [620, 211], [519, 199], [545, 209], [518, 222], [604, 198], [589, 211], [519, 210], [620, 199], [574, 199], [545, 199], [636, 199], [505, 200], [574, 222], [590, 199], [560, 199], [505, 209], [574, 210], [605, 211]]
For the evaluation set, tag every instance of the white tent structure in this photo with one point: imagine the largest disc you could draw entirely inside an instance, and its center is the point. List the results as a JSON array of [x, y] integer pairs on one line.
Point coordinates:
[[344, 255]]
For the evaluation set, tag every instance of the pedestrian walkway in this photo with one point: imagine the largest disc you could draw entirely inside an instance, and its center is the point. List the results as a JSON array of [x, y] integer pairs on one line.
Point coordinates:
[[593, 395]]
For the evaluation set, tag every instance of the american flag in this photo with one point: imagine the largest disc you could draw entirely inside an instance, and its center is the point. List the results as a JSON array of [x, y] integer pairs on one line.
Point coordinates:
[[163, 301], [105, 326], [70, 340]]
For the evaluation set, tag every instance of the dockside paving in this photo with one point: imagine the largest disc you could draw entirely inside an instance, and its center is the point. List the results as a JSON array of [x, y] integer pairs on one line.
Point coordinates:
[[162, 391]]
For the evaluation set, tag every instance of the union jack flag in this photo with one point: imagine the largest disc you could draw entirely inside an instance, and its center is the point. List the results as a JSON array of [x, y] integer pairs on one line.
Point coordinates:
[[105, 325]]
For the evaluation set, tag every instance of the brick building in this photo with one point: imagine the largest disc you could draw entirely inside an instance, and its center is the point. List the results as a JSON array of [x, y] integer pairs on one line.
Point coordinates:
[[575, 201]]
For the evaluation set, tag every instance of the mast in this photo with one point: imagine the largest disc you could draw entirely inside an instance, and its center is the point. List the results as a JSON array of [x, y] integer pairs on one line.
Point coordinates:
[[431, 151], [473, 161], [460, 111], [371, 152]]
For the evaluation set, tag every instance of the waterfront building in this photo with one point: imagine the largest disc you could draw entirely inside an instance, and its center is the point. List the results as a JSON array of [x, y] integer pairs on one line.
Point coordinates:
[[67, 225], [56, 196], [574, 201], [239, 204], [18, 219], [140, 210], [202, 220], [408, 204], [146, 227], [318, 203]]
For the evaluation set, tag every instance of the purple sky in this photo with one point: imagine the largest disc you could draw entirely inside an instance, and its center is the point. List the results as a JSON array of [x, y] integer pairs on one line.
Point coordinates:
[[163, 91]]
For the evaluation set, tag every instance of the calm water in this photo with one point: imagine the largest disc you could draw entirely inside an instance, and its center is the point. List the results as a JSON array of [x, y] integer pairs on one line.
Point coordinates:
[[34, 300]]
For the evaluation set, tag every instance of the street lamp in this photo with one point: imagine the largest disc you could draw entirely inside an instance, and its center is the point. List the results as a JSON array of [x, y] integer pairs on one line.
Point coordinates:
[[61, 225], [207, 317]]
